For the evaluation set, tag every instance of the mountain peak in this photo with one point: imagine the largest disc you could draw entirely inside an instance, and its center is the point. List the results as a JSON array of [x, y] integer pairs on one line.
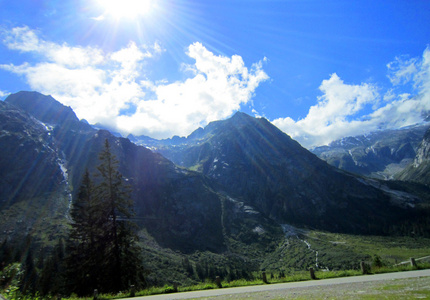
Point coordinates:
[[45, 108], [242, 117], [240, 114]]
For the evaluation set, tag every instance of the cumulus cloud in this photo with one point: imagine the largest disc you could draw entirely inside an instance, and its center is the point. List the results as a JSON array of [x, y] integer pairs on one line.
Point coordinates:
[[111, 88], [336, 113], [218, 87]]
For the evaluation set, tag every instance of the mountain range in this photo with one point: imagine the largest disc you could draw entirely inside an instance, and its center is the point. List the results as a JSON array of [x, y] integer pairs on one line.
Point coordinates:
[[381, 154], [232, 185]]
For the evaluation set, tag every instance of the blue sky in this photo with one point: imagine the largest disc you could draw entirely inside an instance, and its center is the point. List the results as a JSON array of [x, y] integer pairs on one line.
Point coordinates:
[[319, 70]]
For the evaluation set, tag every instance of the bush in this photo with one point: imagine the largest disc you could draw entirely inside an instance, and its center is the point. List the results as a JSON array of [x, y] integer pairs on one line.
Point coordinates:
[[11, 275], [169, 289], [377, 262]]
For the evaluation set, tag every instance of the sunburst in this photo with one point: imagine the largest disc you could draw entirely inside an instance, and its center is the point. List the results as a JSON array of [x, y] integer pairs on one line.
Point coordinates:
[[129, 9]]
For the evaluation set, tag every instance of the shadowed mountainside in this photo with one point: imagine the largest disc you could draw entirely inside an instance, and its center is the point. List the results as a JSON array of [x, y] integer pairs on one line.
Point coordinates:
[[179, 208], [255, 161]]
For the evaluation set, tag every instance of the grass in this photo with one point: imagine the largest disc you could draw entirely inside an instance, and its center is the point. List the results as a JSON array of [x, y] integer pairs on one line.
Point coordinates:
[[341, 253], [344, 251], [294, 277]]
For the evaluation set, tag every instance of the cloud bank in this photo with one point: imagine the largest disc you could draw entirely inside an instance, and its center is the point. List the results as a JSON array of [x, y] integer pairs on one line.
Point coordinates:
[[339, 111], [111, 88]]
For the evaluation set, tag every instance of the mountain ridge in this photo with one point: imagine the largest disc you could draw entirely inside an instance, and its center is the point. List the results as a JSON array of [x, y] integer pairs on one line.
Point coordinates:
[[185, 200], [216, 172], [379, 154], [254, 160], [229, 198]]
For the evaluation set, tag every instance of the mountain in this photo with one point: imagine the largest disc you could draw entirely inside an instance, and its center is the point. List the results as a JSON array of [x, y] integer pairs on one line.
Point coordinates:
[[255, 161], [33, 181], [230, 195], [177, 208], [419, 170], [379, 154]]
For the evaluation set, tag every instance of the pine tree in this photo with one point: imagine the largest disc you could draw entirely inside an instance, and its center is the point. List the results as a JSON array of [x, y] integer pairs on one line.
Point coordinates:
[[83, 247], [103, 246], [114, 195]]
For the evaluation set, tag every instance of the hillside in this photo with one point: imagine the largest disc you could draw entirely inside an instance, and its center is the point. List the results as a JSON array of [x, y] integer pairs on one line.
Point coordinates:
[[180, 209], [255, 161]]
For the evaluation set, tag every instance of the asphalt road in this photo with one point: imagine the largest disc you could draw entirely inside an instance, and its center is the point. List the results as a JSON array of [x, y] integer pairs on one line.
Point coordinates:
[[285, 286]]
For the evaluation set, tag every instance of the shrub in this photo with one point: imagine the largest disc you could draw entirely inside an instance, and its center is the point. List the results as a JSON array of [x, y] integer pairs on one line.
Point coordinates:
[[377, 262]]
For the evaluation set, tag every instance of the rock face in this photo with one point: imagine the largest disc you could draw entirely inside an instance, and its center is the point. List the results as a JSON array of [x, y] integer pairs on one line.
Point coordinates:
[[423, 153], [379, 155], [419, 171]]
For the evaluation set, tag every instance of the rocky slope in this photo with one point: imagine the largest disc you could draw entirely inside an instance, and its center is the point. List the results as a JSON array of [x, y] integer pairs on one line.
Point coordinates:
[[420, 169], [34, 192], [379, 154]]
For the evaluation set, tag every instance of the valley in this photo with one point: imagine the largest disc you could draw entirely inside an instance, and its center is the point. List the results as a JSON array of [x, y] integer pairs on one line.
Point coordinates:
[[232, 199]]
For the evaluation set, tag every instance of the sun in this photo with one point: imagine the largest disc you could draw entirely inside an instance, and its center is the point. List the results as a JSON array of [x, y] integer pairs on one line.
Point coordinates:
[[128, 9]]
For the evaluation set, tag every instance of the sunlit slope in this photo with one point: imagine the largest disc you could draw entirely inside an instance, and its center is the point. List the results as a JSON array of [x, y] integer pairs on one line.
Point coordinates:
[[379, 154], [419, 170]]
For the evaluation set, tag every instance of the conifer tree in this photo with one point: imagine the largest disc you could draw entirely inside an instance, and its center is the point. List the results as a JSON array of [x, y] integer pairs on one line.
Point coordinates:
[[117, 207], [83, 247], [103, 246], [51, 279]]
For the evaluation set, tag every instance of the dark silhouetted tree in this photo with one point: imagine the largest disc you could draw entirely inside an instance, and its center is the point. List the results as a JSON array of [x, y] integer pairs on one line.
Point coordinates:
[[84, 244], [103, 245]]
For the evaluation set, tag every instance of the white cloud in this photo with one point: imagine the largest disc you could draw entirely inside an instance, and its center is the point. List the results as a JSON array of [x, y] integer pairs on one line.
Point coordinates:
[[218, 87], [335, 114], [3, 94], [401, 70], [111, 88], [26, 40]]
